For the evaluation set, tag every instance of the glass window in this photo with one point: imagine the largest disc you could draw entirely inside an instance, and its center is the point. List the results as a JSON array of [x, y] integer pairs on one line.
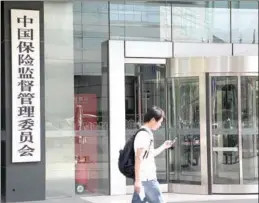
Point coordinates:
[[95, 31], [90, 43], [201, 21], [77, 6], [78, 43], [94, 19], [77, 17], [94, 7], [140, 21], [78, 32], [245, 22], [76, 128]]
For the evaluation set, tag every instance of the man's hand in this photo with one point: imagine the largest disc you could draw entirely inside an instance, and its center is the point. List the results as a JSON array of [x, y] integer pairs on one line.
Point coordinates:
[[137, 186], [169, 143]]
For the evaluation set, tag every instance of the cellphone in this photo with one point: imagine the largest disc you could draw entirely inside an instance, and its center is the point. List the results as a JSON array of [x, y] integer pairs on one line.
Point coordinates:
[[174, 140], [173, 143]]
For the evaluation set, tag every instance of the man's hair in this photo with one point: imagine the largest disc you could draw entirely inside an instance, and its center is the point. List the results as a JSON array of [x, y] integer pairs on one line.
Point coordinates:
[[154, 112]]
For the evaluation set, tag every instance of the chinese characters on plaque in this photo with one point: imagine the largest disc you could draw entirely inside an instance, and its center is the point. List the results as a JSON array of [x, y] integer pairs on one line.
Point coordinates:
[[26, 132]]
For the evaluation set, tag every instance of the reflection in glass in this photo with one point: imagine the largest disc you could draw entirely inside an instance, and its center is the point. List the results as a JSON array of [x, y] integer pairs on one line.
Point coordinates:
[[184, 123], [245, 22], [90, 99], [59, 125], [144, 87], [140, 21], [76, 124], [224, 121], [249, 110], [201, 21]]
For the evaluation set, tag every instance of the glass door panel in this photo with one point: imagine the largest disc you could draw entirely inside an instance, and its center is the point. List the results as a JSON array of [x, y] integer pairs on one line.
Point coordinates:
[[153, 91], [184, 123], [249, 117], [144, 87], [224, 121]]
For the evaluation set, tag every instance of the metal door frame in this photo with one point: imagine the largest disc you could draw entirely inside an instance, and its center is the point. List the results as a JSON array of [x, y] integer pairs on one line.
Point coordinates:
[[201, 188], [115, 54], [231, 188], [164, 187]]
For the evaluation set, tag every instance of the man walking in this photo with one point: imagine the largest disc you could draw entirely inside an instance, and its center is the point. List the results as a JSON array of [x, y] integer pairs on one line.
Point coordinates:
[[146, 186]]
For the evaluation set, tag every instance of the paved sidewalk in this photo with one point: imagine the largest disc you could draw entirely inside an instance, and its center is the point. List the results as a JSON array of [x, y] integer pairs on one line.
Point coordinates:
[[169, 198], [230, 201], [179, 198]]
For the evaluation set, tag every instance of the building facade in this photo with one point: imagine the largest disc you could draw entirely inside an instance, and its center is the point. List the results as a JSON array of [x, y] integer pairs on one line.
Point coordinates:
[[97, 66]]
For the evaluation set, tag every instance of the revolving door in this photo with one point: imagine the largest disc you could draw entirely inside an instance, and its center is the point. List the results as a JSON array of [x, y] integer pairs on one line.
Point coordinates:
[[212, 107], [234, 132]]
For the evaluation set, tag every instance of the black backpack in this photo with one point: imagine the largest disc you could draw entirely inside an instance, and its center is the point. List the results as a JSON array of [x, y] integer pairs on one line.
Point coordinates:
[[127, 157]]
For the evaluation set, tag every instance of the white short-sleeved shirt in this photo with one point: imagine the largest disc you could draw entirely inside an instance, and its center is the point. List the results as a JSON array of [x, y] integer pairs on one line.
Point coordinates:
[[148, 165]]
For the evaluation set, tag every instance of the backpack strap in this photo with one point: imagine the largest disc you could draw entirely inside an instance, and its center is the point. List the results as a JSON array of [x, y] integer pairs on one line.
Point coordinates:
[[139, 130], [145, 156], [147, 152]]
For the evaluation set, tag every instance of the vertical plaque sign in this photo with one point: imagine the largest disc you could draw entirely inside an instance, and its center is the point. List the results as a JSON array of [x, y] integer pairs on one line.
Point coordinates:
[[25, 46]]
